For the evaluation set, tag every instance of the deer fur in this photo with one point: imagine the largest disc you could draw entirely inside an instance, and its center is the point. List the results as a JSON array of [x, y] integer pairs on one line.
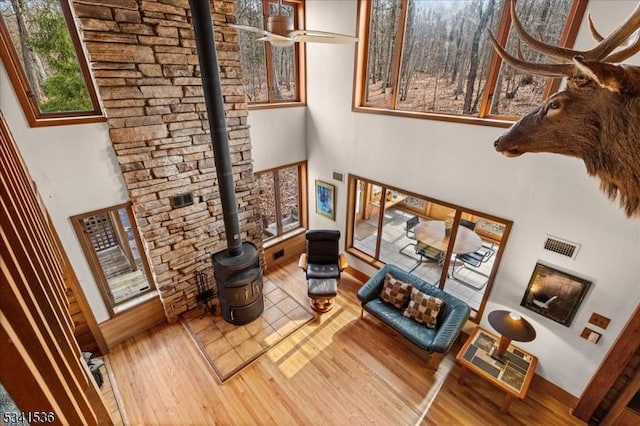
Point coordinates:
[[597, 119]]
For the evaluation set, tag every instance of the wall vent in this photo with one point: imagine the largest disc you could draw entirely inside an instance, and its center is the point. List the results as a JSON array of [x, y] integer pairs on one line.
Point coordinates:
[[339, 176], [561, 247], [181, 200]]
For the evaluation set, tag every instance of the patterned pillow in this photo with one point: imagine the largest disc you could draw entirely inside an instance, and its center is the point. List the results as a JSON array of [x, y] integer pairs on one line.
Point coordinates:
[[395, 291], [423, 308]]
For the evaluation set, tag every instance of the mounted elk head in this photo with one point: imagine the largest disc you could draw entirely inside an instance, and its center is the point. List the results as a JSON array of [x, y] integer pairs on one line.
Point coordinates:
[[596, 118]]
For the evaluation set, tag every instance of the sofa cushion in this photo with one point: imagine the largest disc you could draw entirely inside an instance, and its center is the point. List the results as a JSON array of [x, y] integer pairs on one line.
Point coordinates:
[[395, 291], [414, 331], [423, 308]]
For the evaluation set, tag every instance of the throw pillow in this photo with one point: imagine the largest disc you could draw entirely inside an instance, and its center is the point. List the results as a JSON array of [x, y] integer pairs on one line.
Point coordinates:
[[395, 291], [423, 308]]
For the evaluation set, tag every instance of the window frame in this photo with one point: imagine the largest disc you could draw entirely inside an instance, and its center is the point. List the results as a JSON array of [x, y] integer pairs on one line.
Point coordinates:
[[352, 181], [299, 50], [22, 87], [96, 268], [484, 116], [302, 203]]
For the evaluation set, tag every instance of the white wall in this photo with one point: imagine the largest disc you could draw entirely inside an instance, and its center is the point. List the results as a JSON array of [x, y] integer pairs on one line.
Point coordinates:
[[75, 171], [277, 137], [542, 194]]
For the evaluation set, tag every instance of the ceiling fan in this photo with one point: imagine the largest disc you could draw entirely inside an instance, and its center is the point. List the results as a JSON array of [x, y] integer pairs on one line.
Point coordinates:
[[281, 33]]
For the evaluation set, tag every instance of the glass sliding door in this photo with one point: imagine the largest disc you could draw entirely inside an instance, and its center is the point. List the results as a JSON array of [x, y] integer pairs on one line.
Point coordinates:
[[472, 269], [367, 217], [452, 247]]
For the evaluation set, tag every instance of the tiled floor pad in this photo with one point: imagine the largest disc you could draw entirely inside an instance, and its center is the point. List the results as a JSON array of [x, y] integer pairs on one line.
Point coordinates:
[[230, 348]]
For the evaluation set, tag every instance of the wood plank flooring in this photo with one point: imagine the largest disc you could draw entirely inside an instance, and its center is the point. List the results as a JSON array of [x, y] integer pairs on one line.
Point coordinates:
[[337, 370]]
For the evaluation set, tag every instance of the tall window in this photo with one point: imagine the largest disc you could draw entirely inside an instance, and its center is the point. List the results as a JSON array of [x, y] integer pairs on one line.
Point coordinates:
[[390, 225], [281, 200], [270, 74], [40, 48], [112, 245], [434, 57]]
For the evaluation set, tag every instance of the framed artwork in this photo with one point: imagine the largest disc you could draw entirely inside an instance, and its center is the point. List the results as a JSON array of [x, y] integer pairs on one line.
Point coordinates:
[[326, 199], [554, 294]]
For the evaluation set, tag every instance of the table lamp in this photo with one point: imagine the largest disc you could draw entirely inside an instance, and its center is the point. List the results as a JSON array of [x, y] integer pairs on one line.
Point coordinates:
[[511, 326]]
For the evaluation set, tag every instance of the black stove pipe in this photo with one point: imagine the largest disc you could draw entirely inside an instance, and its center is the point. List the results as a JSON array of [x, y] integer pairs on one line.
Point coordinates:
[[203, 28]]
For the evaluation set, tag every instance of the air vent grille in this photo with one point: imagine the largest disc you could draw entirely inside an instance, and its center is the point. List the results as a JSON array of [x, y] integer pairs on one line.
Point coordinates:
[[561, 247]]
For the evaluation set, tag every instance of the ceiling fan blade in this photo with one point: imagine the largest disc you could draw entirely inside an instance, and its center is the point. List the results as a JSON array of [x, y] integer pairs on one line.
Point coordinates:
[[250, 29], [334, 39], [323, 34], [278, 40]]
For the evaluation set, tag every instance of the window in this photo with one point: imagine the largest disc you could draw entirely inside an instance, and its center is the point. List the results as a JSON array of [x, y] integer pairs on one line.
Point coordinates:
[[433, 58], [389, 225], [40, 48], [270, 74], [282, 204], [112, 245]]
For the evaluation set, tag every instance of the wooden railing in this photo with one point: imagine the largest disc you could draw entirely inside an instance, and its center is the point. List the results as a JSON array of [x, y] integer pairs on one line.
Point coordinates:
[[40, 362]]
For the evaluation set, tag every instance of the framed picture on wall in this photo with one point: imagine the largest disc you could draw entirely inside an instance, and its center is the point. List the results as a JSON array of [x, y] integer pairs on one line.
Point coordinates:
[[555, 294], [326, 199]]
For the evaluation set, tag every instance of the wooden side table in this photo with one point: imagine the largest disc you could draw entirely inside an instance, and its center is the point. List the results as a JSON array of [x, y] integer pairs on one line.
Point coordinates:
[[514, 375]]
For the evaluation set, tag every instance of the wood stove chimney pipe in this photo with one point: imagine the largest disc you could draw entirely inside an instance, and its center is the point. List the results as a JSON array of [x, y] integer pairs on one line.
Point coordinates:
[[205, 45]]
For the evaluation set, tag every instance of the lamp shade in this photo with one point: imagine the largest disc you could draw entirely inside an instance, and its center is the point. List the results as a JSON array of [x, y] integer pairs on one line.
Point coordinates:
[[512, 326]]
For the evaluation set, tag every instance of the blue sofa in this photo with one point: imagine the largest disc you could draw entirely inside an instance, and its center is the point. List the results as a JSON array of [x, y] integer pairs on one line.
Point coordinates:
[[438, 341]]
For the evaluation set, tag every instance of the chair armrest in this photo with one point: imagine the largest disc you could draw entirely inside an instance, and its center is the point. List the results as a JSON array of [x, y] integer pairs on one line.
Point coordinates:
[[342, 262], [302, 262], [450, 329], [372, 288]]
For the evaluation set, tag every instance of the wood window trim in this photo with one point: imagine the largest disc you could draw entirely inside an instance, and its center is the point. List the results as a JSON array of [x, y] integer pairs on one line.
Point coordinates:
[[302, 200], [484, 116], [299, 62], [377, 263], [22, 87], [94, 263]]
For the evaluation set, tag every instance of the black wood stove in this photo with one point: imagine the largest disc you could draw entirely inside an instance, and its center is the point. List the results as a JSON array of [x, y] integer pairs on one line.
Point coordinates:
[[237, 268]]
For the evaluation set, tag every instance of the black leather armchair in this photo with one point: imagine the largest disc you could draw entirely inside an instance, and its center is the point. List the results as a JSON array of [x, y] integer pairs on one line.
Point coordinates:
[[322, 265]]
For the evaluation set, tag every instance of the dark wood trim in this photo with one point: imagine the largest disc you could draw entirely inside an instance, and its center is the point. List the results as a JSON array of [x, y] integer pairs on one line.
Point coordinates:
[[357, 274], [361, 58], [22, 87], [73, 284], [459, 210], [43, 369], [259, 106], [460, 119], [273, 169], [621, 403], [554, 391], [619, 355], [483, 117], [293, 247], [133, 321], [397, 55], [94, 262], [495, 65]]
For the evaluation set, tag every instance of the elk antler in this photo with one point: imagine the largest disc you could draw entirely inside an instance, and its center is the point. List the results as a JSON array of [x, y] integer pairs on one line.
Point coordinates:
[[601, 52], [592, 29]]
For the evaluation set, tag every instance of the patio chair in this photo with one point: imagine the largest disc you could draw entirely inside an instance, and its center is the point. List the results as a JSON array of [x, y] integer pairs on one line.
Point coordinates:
[[408, 230]]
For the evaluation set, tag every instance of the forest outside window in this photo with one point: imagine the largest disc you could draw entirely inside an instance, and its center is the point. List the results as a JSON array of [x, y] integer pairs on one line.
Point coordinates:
[[433, 58], [281, 200], [41, 50], [271, 74]]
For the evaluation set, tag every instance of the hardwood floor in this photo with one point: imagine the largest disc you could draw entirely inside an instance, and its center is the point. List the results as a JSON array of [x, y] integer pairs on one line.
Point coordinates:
[[337, 370]]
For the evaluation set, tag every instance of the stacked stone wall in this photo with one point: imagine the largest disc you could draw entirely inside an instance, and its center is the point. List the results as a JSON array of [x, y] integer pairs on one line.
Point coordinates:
[[144, 60]]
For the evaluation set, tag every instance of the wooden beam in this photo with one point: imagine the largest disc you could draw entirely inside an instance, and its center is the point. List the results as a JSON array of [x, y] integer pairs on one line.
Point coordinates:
[[619, 355]]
